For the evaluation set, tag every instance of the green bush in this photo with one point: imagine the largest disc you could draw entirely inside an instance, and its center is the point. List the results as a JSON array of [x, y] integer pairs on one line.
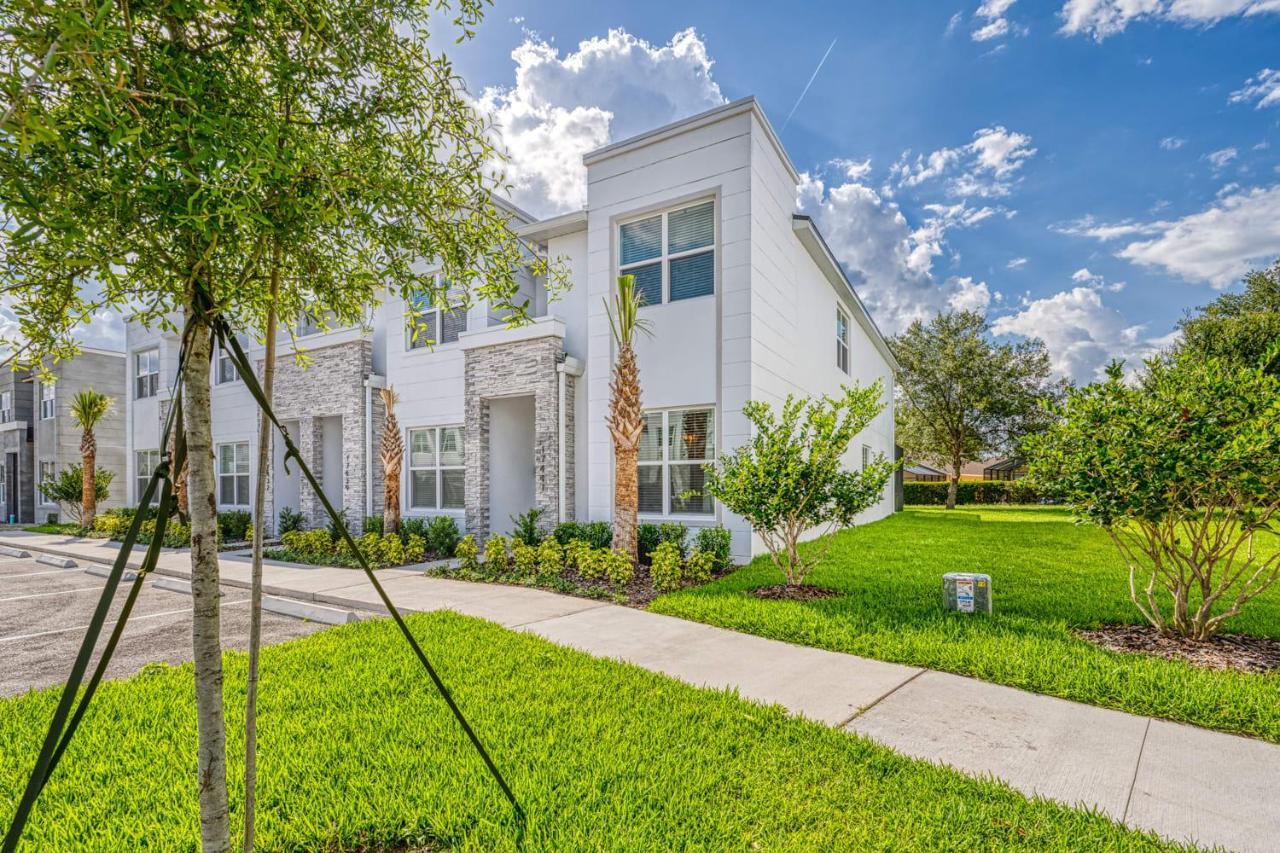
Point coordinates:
[[233, 525], [550, 558], [575, 551], [566, 532], [715, 542], [441, 535], [415, 548], [971, 492], [111, 524], [373, 524], [412, 526], [618, 568], [592, 562], [597, 534], [495, 554], [176, 534], [290, 520], [665, 570], [335, 526], [390, 550], [525, 559], [66, 488], [698, 567], [468, 552], [650, 536], [527, 526]]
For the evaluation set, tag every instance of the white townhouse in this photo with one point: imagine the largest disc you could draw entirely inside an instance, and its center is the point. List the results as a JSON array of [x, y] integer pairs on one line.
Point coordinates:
[[744, 298]]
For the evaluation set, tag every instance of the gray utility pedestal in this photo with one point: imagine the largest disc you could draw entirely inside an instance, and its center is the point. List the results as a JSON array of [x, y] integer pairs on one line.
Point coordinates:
[[966, 593]]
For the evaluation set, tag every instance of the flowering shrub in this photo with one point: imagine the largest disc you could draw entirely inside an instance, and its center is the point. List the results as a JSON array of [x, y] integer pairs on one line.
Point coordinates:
[[468, 552], [664, 567], [495, 553]]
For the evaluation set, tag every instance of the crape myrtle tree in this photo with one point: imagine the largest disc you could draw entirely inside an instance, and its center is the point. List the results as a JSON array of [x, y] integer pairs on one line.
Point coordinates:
[[223, 160], [963, 397], [792, 478], [1181, 468]]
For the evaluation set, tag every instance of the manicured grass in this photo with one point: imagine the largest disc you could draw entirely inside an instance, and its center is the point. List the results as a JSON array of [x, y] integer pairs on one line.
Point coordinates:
[[355, 749], [1048, 576], [73, 529]]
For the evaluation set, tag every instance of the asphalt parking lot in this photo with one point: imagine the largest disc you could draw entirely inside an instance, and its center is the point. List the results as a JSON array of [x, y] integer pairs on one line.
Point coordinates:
[[45, 611]]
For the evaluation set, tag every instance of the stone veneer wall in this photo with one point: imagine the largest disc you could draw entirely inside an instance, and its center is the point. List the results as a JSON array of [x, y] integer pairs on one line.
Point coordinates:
[[526, 367], [330, 385]]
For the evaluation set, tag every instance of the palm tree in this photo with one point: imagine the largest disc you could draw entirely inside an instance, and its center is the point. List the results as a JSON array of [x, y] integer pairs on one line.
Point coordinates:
[[626, 417], [392, 457], [89, 407]]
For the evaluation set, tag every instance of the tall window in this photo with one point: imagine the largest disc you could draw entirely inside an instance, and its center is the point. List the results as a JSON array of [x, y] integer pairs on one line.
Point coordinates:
[[425, 324], [47, 473], [233, 474], [47, 407], [4, 484], [6, 406], [672, 255], [437, 472], [146, 462], [674, 446], [226, 369], [146, 373], [842, 340], [866, 456]]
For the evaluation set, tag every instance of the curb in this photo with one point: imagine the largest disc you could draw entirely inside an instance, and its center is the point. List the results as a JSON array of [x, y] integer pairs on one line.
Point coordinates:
[[8, 551], [58, 562], [309, 612]]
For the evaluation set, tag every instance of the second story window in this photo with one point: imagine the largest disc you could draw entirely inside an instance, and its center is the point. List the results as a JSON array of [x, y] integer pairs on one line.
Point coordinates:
[[225, 370], [146, 373], [842, 340], [6, 406], [314, 322], [672, 255], [47, 406], [425, 324]]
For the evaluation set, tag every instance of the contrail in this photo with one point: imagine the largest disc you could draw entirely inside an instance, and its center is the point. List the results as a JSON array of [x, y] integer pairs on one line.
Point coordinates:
[[812, 77]]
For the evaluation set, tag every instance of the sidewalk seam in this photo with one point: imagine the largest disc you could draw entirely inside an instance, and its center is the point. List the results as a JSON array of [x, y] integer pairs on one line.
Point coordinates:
[[1137, 766], [595, 605], [865, 708]]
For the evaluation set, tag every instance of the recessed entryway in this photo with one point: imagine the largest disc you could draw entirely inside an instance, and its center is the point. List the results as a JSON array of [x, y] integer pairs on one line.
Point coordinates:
[[511, 459]]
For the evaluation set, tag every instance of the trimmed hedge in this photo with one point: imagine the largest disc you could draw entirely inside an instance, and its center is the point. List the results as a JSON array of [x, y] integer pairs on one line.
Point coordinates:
[[972, 492]]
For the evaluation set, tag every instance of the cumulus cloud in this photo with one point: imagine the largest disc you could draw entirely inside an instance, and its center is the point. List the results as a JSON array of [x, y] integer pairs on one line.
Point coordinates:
[[609, 88], [968, 295], [1172, 143], [1262, 89], [992, 22], [987, 167], [1238, 231], [1103, 18]]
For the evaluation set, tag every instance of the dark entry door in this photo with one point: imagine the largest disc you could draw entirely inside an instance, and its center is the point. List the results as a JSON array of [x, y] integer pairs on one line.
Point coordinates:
[[14, 505]]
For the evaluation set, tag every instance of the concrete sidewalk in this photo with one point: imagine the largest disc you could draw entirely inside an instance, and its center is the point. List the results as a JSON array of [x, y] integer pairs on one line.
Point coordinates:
[[1184, 783]]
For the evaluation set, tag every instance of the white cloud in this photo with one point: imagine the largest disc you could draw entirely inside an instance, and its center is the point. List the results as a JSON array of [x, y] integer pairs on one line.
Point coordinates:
[[993, 23], [1263, 88], [1082, 333], [853, 169], [987, 166], [1016, 263], [954, 23], [1220, 158], [1238, 231], [968, 295], [1172, 143], [611, 87], [1103, 18], [1083, 276]]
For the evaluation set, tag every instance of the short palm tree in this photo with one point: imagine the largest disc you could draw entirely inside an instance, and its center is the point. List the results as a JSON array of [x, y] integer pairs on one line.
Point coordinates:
[[626, 417], [88, 408], [392, 457]]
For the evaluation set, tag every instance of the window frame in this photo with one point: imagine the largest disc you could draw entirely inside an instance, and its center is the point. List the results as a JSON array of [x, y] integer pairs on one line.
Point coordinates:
[[437, 315], [41, 477], [141, 479], [665, 257], [247, 474], [224, 357], [6, 406], [843, 342], [666, 462], [866, 456], [4, 483], [48, 400], [410, 468], [153, 385]]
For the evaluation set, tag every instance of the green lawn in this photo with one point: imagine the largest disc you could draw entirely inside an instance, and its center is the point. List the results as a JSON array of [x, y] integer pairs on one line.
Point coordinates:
[[356, 750], [1048, 576]]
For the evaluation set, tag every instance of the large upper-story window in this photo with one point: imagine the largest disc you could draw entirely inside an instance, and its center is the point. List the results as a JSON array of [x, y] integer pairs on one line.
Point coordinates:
[[437, 472], [674, 446], [672, 255], [233, 474], [47, 405], [842, 340], [6, 406], [426, 325], [226, 369], [146, 373], [315, 321]]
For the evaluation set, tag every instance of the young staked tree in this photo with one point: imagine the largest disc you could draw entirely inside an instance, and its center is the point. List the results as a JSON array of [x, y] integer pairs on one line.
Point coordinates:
[[88, 408], [962, 397], [626, 414], [392, 457], [141, 150], [1181, 468], [793, 478]]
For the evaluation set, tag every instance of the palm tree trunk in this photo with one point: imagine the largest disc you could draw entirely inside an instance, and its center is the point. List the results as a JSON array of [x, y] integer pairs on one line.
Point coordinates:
[[206, 641], [89, 487], [255, 583], [626, 501]]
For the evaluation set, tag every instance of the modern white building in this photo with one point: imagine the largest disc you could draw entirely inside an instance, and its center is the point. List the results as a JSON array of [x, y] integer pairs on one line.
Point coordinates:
[[744, 299]]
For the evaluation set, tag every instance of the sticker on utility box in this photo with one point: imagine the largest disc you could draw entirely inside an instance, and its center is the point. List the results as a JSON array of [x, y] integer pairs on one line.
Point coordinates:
[[964, 595]]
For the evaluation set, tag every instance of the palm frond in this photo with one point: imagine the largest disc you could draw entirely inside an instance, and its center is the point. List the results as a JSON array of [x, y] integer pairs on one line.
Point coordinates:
[[88, 407]]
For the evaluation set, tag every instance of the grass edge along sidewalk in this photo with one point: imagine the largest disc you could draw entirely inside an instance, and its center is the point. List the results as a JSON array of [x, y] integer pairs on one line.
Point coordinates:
[[356, 751], [1049, 576]]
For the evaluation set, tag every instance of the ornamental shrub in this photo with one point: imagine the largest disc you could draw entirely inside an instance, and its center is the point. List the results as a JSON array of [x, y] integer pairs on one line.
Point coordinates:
[[111, 524], [234, 524], [697, 569], [597, 534], [618, 568], [716, 542], [550, 558], [665, 569], [373, 524], [495, 553], [391, 550], [441, 535], [415, 526], [592, 561], [575, 552], [525, 559], [972, 492], [415, 548], [291, 519], [468, 552], [648, 538], [527, 526]]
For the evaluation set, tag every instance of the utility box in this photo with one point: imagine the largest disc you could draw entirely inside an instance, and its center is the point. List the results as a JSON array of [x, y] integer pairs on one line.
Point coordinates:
[[966, 593]]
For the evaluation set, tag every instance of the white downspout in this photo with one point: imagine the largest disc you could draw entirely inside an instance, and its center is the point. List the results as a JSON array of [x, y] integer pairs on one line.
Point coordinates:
[[371, 382], [572, 367]]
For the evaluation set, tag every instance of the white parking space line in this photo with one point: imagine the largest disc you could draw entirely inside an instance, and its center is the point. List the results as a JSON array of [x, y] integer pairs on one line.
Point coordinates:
[[14, 638], [48, 594], [37, 574]]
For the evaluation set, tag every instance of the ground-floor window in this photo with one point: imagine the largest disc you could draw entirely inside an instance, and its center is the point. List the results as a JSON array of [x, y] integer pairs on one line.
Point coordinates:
[[4, 484], [145, 464], [674, 446], [47, 472], [437, 473], [233, 474]]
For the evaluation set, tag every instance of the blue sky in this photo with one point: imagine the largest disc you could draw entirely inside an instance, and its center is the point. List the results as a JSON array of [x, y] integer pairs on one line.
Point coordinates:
[[1083, 170]]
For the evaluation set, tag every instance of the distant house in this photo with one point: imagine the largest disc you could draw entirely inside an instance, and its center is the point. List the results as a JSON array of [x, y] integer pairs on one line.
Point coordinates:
[[1012, 468], [921, 473]]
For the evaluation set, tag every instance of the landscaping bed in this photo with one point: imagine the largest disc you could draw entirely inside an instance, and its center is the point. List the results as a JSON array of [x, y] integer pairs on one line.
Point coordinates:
[[356, 751], [1225, 651], [1050, 579]]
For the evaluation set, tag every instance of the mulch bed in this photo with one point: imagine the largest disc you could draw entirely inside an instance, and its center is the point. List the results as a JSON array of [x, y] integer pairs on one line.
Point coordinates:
[[1226, 651], [787, 592]]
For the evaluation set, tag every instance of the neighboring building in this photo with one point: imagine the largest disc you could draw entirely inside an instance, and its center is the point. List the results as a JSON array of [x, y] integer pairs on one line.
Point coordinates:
[[745, 301], [1012, 468], [17, 461], [56, 435], [921, 473]]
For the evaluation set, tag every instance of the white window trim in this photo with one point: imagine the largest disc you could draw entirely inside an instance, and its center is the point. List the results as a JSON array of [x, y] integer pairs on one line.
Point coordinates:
[[665, 258], [139, 478], [843, 344], [866, 456], [154, 390], [224, 355], [666, 462], [6, 407], [40, 478], [217, 462], [48, 394], [406, 486], [428, 346]]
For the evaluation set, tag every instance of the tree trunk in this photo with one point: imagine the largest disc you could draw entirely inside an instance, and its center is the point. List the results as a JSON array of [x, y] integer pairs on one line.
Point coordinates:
[[391, 501], [255, 584], [89, 484], [206, 641], [626, 500], [953, 485]]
